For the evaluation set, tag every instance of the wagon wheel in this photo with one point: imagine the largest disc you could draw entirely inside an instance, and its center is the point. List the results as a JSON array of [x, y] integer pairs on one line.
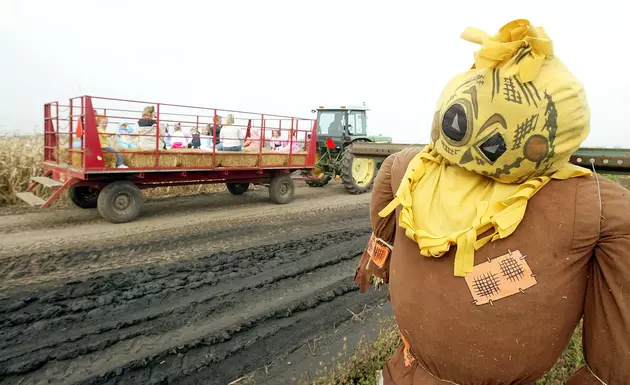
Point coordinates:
[[281, 189], [85, 197], [120, 202], [237, 188]]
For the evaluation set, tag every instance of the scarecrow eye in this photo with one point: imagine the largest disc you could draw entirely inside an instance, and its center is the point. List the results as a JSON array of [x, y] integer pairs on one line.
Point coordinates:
[[493, 148], [454, 123]]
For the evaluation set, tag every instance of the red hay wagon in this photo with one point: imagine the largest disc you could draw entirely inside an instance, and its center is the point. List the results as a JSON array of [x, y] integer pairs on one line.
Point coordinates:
[[85, 141]]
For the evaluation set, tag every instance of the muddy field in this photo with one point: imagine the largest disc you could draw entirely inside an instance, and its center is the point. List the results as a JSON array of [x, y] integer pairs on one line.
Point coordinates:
[[197, 290]]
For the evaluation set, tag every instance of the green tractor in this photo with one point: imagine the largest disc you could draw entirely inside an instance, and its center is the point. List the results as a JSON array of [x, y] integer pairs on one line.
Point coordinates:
[[338, 129]]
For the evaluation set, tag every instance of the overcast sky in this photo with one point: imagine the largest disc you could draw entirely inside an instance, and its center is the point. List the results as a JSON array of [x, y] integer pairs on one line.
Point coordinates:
[[287, 57]]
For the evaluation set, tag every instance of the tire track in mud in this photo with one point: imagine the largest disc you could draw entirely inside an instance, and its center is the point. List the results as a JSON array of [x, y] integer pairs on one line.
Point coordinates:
[[188, 242], [67, 217], [206, 320], [101, 233]]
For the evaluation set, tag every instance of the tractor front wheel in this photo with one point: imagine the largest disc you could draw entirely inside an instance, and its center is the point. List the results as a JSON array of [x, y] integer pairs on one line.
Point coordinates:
[[357, 173]]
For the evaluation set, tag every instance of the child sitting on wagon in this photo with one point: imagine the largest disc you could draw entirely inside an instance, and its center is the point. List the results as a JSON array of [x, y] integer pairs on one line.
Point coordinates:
[[253, 142], [290, 145], [206, 138], [105, 138], [194, 141], [124, 140], [276, 140], [178, 138]]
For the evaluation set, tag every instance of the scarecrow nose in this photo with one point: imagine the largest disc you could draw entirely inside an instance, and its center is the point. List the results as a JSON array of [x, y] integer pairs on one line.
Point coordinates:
[[467, 157]]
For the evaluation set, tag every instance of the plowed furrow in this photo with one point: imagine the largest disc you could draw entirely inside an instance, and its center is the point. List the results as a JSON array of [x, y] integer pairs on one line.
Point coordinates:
[[189, 243], [112, 313]]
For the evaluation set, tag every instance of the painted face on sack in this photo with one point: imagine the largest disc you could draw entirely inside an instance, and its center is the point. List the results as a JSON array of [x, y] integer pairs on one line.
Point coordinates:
[[491, 123]]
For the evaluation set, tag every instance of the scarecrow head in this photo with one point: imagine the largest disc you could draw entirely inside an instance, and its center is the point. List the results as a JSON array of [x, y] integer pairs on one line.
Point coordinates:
[[517, 114]]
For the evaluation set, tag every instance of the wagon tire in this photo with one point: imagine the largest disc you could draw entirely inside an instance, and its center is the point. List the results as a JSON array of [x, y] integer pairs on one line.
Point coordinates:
[[85, 197], [120, 202], [237, 188], [281, 189]]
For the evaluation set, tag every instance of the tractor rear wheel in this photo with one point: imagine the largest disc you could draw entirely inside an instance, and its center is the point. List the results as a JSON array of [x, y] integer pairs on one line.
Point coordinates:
[[357, 174], [237, 188]]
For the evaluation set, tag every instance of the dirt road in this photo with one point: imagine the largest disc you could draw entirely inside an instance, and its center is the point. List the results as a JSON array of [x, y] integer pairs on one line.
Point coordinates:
[[197, 290]]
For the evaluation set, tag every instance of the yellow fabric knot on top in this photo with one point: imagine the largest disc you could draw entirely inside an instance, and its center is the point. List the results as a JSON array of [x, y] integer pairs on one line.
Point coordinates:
[[532, 44]]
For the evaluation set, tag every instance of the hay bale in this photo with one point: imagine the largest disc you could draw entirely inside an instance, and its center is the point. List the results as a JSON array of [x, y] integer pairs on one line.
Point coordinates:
[[270, 159], [63, 155], [168, 160], [297, 160], [109, 158], [193, 157], [274, 159], [235, 159], [77, 159], [138, 158], [232, 159], [135, 158], [190, 158]]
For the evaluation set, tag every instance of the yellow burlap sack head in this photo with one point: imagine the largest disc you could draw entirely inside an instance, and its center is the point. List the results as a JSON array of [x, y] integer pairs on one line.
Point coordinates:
[[517, 114], [502, 130]]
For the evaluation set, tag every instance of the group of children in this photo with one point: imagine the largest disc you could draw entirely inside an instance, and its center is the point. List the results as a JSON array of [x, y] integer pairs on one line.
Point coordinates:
[[229, 137]]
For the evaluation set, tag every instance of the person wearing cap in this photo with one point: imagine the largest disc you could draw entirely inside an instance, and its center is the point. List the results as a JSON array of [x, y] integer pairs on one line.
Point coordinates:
[[492, 244]]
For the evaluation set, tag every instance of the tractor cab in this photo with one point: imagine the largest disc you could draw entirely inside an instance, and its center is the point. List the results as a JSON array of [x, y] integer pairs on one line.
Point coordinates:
[[341, 125], [338, 129]]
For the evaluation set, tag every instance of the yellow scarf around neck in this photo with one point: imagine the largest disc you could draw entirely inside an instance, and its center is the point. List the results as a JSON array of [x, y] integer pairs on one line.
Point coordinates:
[[444, 205]]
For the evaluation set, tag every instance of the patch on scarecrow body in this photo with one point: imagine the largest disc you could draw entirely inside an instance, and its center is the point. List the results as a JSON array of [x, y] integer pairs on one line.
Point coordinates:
[[378, 250], [408, 357], [500, 277]]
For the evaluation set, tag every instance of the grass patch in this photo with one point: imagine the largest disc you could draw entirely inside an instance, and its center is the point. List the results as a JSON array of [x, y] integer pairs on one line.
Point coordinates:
[[571, 359], [370, 356]]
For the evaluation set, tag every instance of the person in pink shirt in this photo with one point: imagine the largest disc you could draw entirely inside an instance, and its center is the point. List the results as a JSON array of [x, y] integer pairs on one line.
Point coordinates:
[[253, 142]]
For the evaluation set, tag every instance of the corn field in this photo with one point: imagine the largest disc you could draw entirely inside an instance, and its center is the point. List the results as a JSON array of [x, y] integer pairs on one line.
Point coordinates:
[[21, 157]]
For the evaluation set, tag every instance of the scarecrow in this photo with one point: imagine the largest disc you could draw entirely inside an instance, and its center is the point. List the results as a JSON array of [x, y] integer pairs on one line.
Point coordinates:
[[494, 246]]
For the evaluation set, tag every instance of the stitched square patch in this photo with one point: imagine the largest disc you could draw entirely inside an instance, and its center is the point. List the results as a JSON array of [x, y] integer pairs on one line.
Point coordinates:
[[500, 277], [378, 251]]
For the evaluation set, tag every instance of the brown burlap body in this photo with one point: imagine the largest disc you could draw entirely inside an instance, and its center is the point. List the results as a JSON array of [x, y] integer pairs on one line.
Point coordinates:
[[509, 320]]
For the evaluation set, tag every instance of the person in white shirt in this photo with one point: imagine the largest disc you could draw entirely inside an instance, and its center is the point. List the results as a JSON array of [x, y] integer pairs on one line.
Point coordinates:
[[231, 136]]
